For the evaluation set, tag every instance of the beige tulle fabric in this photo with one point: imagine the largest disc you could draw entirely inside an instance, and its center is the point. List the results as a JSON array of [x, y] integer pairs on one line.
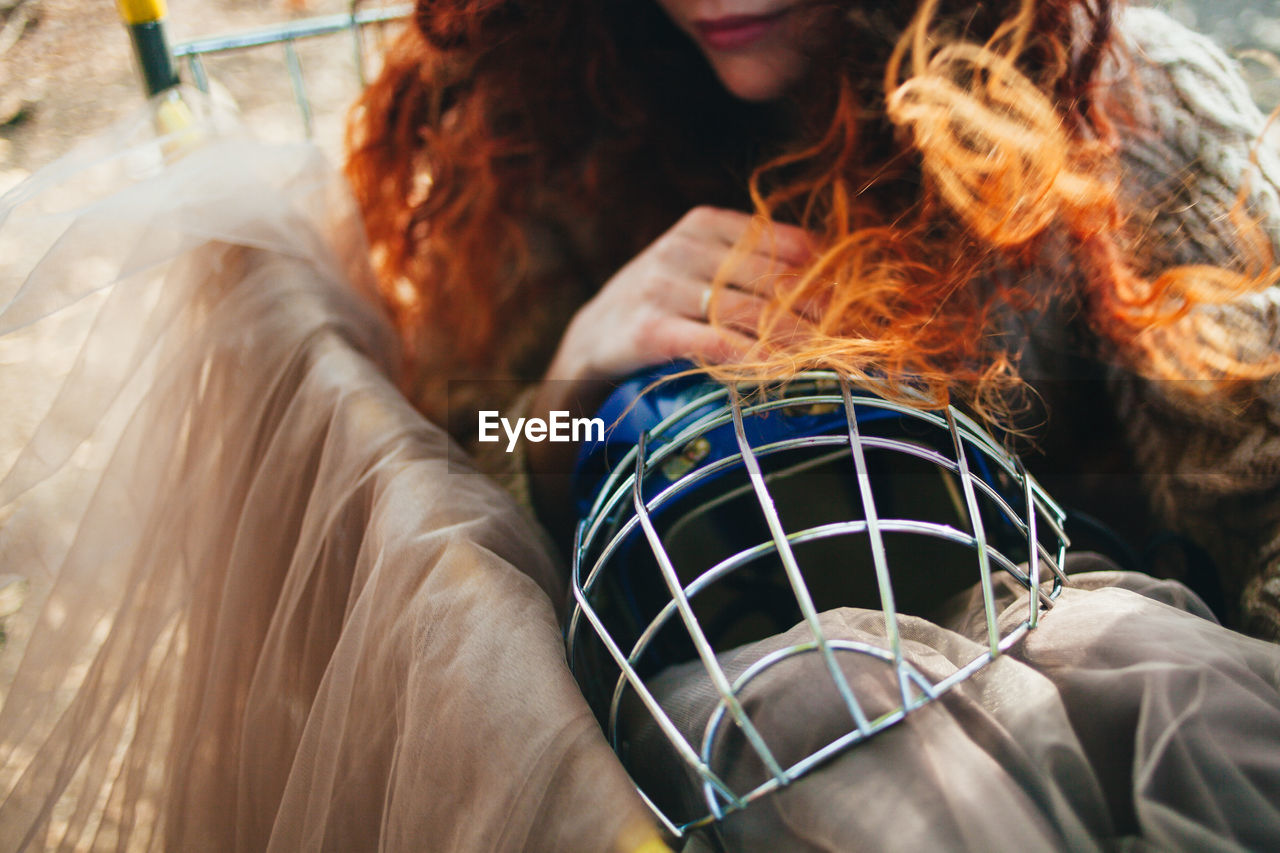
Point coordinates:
[[1128, 720], [272, 607]]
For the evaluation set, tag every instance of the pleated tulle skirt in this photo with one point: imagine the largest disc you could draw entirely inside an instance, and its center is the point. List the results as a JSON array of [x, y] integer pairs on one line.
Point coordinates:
[[269, 606]]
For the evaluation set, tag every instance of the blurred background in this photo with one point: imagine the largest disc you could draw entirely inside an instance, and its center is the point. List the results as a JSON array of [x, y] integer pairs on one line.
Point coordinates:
[[1245, 29], [67, 70], [66, 67]]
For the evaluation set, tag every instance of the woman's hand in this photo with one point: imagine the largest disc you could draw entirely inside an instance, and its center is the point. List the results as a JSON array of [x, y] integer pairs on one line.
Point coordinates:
[[655, 309]]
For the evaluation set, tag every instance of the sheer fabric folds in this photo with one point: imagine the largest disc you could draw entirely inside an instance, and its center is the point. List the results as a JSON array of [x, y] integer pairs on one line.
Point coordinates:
[[1127, 720], [269, 608]]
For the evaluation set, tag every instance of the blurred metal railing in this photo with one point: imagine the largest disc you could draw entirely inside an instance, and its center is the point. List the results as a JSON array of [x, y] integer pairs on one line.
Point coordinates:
[[145, 20]]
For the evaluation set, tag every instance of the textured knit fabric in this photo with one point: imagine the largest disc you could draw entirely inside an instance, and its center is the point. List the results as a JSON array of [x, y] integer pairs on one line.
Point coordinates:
[[1210, 471]]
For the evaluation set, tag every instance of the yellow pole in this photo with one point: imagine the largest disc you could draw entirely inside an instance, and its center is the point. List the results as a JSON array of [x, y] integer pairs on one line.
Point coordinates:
[[145, 21], [141, 11]]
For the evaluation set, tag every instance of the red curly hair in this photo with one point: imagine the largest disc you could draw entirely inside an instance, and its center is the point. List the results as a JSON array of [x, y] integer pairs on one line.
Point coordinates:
[[512, 156]]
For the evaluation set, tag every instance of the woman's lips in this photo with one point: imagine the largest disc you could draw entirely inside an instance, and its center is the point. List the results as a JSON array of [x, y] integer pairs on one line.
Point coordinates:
[[736, 31]]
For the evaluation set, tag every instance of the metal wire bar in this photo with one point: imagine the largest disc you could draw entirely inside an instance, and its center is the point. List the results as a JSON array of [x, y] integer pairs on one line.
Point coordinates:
[[318, 26], [980, 534], [789, 564], [1033, 552], [357, 43], [288, 34], [879, 558], [700, 642], [197, 72], [929, 692], [625, 466], [651, 704], [299, 84]]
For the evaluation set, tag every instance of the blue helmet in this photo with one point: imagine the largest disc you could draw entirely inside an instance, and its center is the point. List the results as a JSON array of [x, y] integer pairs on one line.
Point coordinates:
[[709, 521]]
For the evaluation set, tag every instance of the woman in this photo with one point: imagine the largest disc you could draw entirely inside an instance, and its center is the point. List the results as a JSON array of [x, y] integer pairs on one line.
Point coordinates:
[[1055, 212], [278, 615]]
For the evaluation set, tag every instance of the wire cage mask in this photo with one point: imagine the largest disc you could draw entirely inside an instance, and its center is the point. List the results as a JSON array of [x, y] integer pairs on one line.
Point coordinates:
[[716, 522]]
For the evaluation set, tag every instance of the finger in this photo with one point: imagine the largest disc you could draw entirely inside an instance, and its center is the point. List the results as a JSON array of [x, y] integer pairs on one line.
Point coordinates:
[[736, 310], [680, 337], [756, 273], [692, 300], [790, 244], [716, 225], [763, 278], [730, 307], [720, 346], [691, 255]]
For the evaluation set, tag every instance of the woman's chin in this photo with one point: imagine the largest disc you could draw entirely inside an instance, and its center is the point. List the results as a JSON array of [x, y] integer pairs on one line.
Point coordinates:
[[753, 80]]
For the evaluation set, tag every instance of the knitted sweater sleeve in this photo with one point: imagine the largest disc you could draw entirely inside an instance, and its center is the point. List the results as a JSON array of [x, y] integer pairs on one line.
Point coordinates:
[[1212, 469]]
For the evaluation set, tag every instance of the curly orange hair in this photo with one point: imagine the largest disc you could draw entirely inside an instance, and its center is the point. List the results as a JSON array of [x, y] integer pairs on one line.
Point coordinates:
[[512, 155]]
